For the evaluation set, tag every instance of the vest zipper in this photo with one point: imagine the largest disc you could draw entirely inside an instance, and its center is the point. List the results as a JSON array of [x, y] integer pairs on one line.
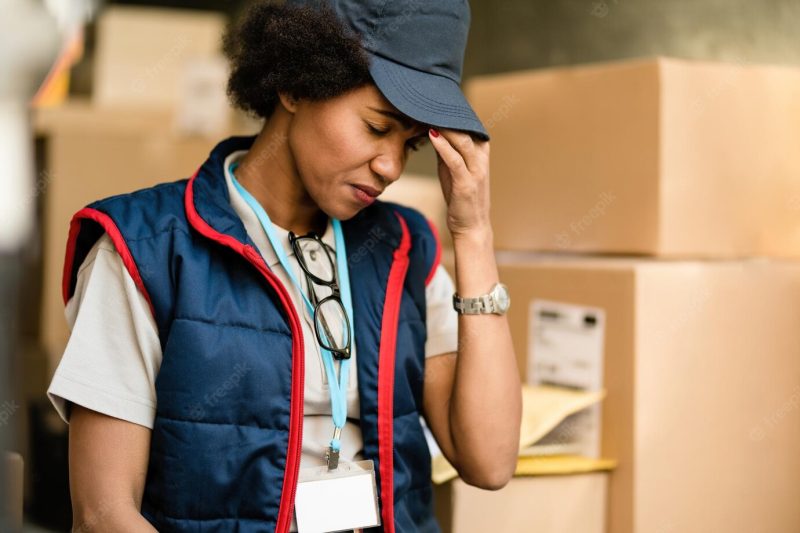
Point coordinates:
[[386, 364], [294, 451], [298, 369]]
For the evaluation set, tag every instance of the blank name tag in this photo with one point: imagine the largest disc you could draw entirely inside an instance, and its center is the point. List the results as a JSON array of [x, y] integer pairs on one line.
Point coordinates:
[[343, 499]]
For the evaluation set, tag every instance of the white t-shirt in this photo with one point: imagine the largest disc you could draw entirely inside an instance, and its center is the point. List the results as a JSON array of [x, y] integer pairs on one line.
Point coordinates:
[[113, 355]]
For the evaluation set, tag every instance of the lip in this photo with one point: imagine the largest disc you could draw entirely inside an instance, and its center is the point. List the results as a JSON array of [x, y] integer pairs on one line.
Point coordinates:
[[369, 190], [363, 196]]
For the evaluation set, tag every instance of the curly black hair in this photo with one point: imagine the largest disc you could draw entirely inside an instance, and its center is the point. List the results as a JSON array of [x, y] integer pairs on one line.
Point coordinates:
[[304, 52]]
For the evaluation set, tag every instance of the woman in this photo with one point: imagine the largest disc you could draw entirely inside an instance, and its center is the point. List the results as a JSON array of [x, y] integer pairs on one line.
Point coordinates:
[[286, 321]]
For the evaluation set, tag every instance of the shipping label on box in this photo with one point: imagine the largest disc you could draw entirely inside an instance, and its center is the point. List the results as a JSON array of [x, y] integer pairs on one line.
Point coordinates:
[[566, 349]]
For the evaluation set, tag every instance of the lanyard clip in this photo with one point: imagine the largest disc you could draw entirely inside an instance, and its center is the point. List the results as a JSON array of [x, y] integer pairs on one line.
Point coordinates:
[[332, 453], [332, 458]]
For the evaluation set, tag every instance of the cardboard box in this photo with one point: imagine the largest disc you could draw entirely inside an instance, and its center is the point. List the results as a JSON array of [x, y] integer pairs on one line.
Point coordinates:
[[656, 156], [92, 153], [701, 363], [141, 52], [540, 504]]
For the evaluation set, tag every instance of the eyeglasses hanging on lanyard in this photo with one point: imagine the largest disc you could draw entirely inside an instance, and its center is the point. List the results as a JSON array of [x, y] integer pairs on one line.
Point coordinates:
[[331, 333], [331, 324]]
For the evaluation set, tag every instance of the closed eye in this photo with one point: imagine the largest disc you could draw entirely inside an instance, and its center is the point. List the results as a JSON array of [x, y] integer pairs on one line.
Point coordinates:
[[377, 131], [414, 144]]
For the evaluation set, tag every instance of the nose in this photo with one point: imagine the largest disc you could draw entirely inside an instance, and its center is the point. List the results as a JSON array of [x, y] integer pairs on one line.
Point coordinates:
[[389, 163]]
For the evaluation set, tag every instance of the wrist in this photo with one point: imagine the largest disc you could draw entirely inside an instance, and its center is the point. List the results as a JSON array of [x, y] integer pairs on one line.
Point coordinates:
[[482, 235], [475, 266]]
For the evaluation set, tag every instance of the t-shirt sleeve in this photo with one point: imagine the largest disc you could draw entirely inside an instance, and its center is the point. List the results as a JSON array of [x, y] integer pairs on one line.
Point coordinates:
[[441, 319], [113, 354]]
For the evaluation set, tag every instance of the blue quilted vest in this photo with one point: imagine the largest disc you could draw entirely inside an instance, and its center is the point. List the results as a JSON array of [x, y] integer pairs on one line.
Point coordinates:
[[226, 443]]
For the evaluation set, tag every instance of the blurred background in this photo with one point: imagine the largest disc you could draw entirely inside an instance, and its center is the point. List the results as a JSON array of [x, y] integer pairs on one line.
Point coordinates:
[[646, 209]]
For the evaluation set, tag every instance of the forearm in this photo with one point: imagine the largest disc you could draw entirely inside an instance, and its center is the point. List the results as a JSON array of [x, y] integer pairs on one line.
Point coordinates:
[[486, 404], [108, 460]]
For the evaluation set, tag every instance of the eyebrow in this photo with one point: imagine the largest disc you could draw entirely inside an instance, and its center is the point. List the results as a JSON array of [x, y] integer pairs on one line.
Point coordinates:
[[405, 121]]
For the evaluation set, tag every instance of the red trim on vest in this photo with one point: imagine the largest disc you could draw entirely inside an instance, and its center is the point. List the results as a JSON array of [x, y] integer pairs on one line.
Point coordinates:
[[438, 259], [69, 258], [388, 346], [105, 221], [294, 450]]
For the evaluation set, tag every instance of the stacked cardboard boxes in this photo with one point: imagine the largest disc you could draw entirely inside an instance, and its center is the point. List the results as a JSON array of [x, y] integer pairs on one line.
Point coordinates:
[[647, 223]]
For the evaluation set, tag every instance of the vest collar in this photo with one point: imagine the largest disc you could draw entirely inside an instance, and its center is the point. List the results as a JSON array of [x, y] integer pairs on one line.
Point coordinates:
[[207, 192]]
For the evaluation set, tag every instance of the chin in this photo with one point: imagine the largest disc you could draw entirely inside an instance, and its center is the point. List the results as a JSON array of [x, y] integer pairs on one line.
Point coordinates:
[[343, 206], [346, 212], [344, 209], [340, 210]]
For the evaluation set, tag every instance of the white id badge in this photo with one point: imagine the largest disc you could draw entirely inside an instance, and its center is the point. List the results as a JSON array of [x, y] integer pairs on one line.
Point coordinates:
[[342, 499]]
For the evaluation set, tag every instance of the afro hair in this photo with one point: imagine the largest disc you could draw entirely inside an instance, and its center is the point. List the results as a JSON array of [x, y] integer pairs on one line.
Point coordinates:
[[304, 52]]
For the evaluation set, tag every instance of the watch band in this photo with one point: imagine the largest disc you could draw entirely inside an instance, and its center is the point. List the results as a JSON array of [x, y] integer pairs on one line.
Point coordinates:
[[495, 302], [474, 306]]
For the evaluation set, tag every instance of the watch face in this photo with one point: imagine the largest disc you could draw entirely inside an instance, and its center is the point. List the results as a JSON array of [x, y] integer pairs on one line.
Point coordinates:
[[502, 298]]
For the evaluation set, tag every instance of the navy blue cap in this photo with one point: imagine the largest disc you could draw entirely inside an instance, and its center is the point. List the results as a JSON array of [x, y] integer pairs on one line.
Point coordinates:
[[416, 51]]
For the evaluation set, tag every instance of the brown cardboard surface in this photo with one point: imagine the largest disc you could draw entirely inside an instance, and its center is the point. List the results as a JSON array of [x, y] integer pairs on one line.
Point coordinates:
[[658, 156], [141, 52], [702, 373], [540, 504]]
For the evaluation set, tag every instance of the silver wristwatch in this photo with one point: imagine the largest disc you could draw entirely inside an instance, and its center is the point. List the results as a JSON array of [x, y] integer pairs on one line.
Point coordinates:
[[497, 302]]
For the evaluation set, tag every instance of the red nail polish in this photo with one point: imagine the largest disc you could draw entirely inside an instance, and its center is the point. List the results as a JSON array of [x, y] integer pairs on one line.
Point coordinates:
[[434, 133]]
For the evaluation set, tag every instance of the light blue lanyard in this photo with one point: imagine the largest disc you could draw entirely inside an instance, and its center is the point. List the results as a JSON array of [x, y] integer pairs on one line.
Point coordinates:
[[338, 387]]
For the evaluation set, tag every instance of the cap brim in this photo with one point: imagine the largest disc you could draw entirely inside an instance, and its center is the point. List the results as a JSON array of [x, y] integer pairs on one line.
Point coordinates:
[[427, 98]]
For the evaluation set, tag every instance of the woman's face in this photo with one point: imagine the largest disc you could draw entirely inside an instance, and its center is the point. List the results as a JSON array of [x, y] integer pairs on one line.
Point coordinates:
[[348, 149]]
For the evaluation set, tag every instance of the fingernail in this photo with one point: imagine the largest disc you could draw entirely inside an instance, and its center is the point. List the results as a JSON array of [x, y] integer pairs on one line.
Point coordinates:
[[434, 133]]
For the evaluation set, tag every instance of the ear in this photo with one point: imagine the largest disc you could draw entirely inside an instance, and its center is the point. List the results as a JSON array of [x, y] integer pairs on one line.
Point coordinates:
[[288, 102]]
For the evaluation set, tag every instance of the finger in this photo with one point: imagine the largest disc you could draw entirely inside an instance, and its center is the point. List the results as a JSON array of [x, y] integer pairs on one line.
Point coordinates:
[[471, 151], [448, 154]]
